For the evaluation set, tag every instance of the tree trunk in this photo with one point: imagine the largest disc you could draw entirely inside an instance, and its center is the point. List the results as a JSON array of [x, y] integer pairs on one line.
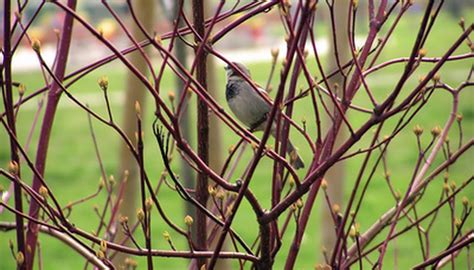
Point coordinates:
[[335, 176], [135, 91]]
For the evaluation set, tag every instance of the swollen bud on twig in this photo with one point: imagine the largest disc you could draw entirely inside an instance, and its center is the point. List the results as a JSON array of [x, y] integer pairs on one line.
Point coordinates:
[[189, 91], [324, 184], [20, 258], [103, 245], [100, 254], [355, 231], [13, 167], [123, 220], [336, 209], [457, 222], [101, 183], [421, 79], [140, 215], [436, 78], [36, 45], [212, 190], [138, 109], [103, 83], [21, 89], [453, 185], [148, 204], [43, 191], [171, 96], [461, 22], [355, 4], [299, 203], [459, 117], [275, 52], [283, 64], [352, 213], [188, 220], [166, 236], [418, 130], [436, 131], [446, 187], [465, 201], [158, 40], [57, 32], [111, 180], [422, 52]]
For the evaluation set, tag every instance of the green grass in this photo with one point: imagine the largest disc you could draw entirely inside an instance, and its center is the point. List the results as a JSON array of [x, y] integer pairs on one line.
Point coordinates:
[[72, 171]]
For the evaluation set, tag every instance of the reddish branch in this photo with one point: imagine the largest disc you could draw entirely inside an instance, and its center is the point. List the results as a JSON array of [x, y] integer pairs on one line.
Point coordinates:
[[298, 22], [54, 94], [7, 93]]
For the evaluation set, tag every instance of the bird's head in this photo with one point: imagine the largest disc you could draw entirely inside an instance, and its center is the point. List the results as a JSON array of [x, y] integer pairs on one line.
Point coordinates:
[[232, 72]]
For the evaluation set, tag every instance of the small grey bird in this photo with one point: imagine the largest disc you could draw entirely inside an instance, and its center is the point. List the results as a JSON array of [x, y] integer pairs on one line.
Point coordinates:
[[250, 108]]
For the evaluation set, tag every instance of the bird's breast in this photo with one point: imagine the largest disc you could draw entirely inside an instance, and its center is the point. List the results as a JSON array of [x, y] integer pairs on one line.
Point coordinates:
[[232, 90]]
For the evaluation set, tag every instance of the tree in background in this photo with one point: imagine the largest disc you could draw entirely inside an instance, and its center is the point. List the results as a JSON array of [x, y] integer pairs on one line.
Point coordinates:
[[336, 175], [135, 95], [255, 201]]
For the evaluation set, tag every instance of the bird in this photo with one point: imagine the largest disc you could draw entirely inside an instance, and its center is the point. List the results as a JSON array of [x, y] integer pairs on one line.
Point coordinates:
[[250, 108]]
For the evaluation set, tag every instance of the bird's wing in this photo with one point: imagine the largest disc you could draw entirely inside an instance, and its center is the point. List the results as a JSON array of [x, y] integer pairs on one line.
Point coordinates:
[[264, 94]]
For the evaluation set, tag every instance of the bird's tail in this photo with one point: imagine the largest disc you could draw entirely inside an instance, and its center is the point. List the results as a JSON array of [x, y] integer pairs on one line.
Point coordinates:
[[295, 159]]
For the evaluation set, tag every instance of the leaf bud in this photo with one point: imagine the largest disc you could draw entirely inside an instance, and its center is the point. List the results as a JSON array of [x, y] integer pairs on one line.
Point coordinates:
[[103, 83], [188, 220]]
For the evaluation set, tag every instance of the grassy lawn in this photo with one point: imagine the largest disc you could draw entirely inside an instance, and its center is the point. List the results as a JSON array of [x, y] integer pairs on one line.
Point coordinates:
[[73, 172]]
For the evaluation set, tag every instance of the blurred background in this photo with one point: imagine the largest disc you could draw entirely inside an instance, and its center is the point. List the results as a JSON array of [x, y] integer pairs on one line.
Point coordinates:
[[72, 167], [258, 34]]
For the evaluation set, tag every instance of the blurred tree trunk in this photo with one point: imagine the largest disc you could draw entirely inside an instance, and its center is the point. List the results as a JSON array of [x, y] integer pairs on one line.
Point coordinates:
[[215, 137], [135, 91], [335, 176], [186, 172]]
